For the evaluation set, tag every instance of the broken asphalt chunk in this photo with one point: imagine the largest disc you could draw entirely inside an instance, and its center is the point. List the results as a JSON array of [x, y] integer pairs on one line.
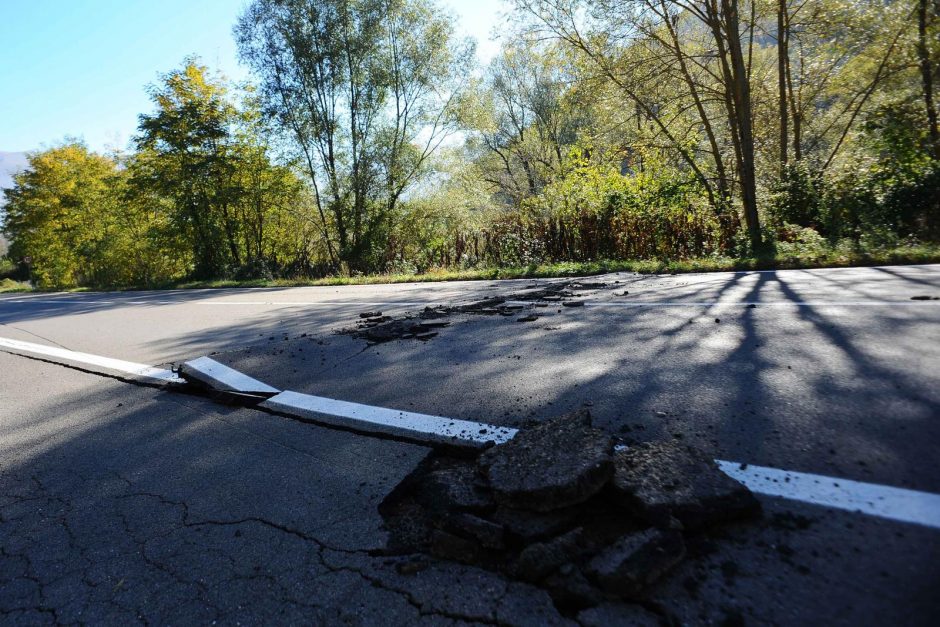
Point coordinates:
[[532, 526], [449, 546], [541, 559], [558, 463], [636, 560], [587, 285], [482, 306], [488, 534], [385, 330], [569, 588], [433, 324], [668, 480], [455, 488]]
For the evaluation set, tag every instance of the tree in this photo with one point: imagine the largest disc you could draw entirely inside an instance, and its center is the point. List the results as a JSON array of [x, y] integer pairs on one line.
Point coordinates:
[[618, 37], [184, 154], [526, 126], [203, 161], [60, 214], [366, 90]]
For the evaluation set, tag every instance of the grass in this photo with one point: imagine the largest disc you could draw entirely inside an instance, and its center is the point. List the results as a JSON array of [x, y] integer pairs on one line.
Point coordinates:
[[9, 285], [822, 258]]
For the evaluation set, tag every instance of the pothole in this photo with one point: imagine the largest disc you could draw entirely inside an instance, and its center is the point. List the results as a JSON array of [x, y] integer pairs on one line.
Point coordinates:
[[559, 507]]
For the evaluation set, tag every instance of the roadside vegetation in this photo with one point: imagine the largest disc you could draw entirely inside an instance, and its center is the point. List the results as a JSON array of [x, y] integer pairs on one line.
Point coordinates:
[[649, 135]]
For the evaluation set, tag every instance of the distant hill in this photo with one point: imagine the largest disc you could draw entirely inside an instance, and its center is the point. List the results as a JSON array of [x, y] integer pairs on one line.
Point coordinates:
[[10, 163]]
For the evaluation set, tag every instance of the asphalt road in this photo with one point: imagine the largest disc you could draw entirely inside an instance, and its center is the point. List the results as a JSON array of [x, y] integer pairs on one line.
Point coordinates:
[[121, 503]]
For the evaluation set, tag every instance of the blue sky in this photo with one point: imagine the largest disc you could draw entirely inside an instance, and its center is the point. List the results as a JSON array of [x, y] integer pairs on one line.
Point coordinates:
[[78, 68]]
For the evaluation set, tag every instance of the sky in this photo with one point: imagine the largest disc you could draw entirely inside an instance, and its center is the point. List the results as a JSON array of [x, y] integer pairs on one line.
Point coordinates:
[[78, 68]]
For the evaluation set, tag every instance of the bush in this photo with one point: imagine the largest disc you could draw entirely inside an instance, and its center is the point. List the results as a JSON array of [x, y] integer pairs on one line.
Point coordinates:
[[801, 243], [595, 212], [797, 197], [7, 268], [887, 198]]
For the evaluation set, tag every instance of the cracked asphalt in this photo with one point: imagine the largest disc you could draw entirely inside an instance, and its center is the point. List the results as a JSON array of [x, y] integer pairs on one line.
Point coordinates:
[[123, 505], [126, 504]]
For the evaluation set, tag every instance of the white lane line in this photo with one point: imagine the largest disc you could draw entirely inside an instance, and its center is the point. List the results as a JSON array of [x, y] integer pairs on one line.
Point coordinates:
[[308, 303], [759, 303], [227, 303], [117, 365], [372, 419], [97, 302], [220, 377], [900, 504]]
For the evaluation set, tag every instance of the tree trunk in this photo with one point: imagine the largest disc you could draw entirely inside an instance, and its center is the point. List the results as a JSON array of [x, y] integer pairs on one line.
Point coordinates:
[[926, 72], [742, 96], [783, 54], [795, 99], [725, 27]]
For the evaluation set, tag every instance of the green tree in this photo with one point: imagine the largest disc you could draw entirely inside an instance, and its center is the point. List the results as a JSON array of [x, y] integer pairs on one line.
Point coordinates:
[[527, 124], [185, 154], [366, 90], [704, 47], [60, 213], [204, 162]]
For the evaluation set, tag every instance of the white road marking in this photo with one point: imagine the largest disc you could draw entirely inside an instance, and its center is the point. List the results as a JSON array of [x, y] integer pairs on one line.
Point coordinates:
[[900, 504], [760, 303], [234, 303], [388, 421], [118, 365], [909, 506], [308, 303], [221, 377]]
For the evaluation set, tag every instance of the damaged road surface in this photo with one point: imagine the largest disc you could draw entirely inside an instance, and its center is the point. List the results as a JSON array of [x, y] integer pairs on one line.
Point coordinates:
[[558, 508], [124, 503]]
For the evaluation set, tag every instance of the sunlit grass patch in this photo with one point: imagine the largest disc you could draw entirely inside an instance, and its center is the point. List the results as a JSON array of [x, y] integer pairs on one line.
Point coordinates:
[[9, 285]]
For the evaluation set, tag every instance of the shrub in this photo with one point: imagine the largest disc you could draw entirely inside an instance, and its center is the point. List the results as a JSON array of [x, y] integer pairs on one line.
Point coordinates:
[[797, 197]]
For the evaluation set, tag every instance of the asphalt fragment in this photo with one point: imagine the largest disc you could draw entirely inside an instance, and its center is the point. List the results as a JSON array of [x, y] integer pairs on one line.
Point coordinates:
[[666, 480], [556, 464], [633, 562]]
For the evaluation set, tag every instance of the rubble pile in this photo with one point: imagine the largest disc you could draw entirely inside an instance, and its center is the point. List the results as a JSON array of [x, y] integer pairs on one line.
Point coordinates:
[[560, 507], [376, 328]]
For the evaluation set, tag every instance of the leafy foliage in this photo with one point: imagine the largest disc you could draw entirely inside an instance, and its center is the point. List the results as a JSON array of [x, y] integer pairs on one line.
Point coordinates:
[[671, 132]]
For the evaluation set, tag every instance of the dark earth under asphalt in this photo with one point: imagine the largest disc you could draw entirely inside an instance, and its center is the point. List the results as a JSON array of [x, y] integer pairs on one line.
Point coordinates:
[[124, 504]]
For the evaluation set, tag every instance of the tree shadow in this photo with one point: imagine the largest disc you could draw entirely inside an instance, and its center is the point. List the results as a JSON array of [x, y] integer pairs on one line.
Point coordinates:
[[780, 385], [128, 505]]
